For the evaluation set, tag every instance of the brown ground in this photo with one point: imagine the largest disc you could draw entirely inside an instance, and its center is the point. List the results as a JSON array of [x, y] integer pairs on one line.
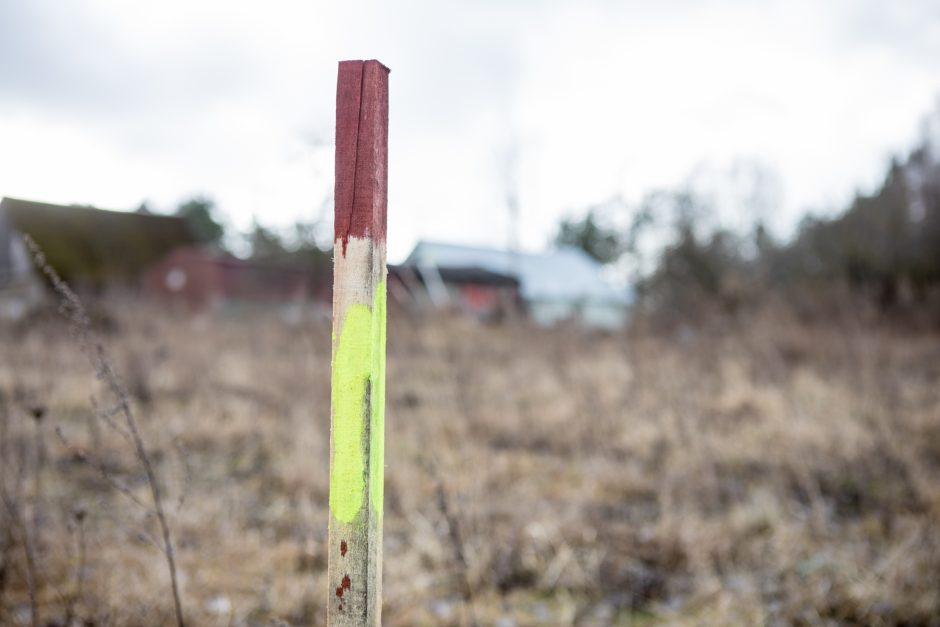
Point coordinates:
[[771, 474]]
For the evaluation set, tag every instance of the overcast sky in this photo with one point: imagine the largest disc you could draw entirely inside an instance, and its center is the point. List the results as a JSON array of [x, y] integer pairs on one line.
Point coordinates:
[[563, 104]]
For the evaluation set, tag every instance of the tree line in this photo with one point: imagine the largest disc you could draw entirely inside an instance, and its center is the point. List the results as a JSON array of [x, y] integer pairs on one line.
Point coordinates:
[[881, 251], [296, 246]]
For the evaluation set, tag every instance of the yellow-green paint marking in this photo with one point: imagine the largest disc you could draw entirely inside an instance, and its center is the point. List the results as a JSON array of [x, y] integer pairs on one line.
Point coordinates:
[[377, 403], [358, 374]]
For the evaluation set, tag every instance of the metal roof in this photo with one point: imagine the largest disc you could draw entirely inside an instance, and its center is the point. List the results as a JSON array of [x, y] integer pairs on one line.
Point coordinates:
[[566, 274]]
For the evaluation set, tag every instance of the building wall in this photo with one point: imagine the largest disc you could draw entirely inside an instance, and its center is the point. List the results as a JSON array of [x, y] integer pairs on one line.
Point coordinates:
[[200, 278], [21, 289], [485, 301], [6, 254], [606, 316], [184, 276], [592, 314]]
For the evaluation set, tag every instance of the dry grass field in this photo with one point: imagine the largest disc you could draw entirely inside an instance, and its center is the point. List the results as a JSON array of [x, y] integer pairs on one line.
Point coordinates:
[[770, 473]]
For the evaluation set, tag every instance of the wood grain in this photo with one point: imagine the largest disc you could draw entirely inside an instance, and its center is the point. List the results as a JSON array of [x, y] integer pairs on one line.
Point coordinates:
[[359, 321]]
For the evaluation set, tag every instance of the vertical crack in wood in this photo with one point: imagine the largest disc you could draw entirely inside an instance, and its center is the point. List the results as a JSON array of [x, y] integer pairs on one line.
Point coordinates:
[[352, 206]]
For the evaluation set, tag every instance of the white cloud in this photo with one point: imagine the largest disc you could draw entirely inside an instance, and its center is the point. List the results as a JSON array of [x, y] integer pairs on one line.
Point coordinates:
[[111, 102]]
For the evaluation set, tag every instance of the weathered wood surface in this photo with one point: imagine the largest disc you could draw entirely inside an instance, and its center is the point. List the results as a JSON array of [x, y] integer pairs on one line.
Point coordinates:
[[357, 435]]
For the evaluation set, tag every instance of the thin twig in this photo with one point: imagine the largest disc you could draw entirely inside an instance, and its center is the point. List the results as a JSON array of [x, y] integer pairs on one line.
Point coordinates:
[[457, 543], [106, 416], [105, 473], [73, 598], [72, 308], [18, 522]]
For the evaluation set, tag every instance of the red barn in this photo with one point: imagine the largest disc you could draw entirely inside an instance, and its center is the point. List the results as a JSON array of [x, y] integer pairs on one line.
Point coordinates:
[[203, 277], [470, 290]]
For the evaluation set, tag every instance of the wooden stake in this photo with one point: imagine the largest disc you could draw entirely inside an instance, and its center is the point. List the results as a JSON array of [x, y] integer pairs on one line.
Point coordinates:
[[357, 435]]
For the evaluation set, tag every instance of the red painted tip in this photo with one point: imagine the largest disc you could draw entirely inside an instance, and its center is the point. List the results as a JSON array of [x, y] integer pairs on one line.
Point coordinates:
[[361, 151]]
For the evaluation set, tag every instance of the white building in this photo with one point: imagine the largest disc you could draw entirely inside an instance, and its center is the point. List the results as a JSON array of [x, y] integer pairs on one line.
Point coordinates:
[[556, 286], [20, 286]]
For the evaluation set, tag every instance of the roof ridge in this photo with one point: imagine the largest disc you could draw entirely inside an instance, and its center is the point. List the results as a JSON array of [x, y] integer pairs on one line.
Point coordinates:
[[79, 207], [549, 252]]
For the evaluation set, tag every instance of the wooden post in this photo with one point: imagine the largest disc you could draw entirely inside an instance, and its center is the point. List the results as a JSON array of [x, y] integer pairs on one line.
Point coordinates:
[[357, 435]]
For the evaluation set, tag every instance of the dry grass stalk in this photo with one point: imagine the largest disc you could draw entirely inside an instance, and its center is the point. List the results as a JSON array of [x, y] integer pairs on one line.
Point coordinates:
[[775, 473], [80, 324]]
